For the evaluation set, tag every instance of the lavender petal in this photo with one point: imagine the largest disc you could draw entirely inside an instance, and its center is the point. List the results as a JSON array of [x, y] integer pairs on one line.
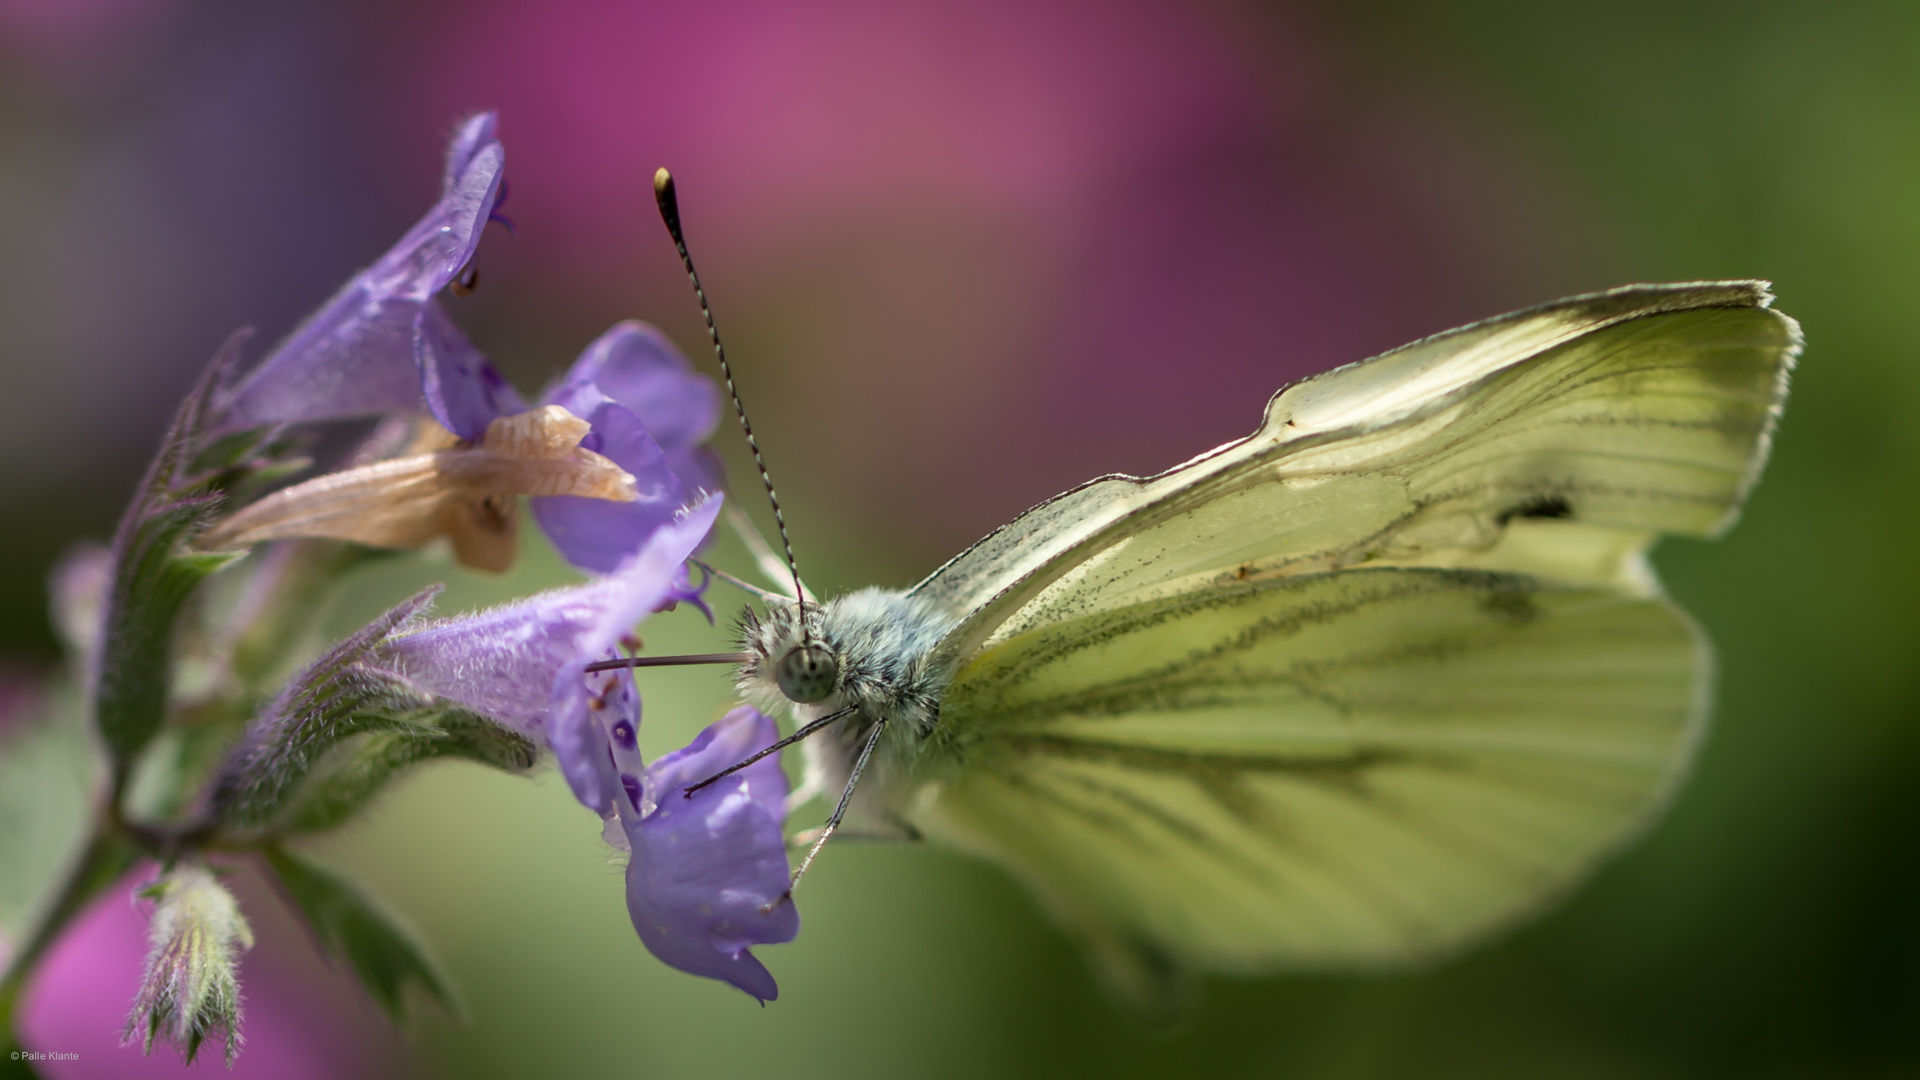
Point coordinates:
[[355, 356], [462, 389], [698, 468], [597, 534], [708, 876], [513, 663], [639, 367], [471, 136]]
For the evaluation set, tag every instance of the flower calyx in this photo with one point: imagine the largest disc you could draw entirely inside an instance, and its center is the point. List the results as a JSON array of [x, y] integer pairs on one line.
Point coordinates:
[[190, 990]]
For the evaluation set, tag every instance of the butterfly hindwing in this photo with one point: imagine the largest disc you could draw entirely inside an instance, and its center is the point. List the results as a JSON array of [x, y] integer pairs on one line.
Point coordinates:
[[1349, 769]]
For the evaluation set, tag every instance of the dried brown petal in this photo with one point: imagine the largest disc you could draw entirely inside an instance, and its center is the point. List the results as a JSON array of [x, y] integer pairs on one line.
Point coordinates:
[[463, 493]]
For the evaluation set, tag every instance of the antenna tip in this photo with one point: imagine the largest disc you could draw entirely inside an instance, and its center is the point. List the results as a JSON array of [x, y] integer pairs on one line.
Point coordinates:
[[664, 198]]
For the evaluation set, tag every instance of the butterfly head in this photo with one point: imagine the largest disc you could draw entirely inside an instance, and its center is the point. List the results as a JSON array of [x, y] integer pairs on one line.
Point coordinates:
[[790, 663], [807, 673]]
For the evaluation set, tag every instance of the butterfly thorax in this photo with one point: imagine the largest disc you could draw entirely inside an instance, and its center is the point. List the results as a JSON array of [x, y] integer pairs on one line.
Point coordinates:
[[883, 646]]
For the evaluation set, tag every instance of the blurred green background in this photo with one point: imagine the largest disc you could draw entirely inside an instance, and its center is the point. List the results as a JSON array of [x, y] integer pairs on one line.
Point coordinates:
[[967, 255]]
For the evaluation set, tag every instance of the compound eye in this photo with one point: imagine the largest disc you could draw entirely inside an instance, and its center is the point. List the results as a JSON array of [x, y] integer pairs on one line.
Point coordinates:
[[807, 674]]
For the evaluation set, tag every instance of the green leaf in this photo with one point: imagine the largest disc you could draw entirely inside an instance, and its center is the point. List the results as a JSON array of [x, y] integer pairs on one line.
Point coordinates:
[[352, 927], [356, 770]]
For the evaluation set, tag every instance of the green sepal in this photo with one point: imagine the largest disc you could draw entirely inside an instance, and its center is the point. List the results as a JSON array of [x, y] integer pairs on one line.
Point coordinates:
[[334, 699], [234, 456], [355, 771], [350, 926], [153, 577], [254, 478]]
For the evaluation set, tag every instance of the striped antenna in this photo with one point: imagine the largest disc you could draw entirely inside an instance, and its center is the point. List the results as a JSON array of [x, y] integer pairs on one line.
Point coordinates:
[[670, 213]]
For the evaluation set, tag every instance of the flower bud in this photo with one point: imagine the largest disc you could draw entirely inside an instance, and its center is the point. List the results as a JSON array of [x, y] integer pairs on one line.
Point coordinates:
[[191, 988]]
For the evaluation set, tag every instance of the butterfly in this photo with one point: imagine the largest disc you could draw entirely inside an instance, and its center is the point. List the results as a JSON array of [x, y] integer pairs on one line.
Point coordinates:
[[1355, 692]]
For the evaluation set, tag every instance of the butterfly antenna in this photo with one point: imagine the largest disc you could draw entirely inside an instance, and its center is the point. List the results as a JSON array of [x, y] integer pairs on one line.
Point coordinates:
[[663, 194], [735, 658]]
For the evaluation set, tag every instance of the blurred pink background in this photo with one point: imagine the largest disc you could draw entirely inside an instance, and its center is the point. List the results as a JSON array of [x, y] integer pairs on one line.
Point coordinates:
[[966, 254]]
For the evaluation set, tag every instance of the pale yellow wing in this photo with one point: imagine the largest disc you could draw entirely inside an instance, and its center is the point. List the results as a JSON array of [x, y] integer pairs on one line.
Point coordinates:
[[1377, 679], [1358, 768], [1610, 418]]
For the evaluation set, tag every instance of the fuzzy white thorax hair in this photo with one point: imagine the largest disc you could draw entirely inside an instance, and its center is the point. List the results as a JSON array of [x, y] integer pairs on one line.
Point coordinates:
[[884, 644]]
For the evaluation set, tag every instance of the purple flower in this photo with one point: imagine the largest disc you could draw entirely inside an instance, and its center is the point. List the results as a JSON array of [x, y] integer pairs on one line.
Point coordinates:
[[601, 479], [463, 492], [708, 874], [383, 343], [650, 413], [520, 663]]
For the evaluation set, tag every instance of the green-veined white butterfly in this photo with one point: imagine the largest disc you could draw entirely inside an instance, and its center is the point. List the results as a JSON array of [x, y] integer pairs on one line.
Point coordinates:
[[1353, 692]]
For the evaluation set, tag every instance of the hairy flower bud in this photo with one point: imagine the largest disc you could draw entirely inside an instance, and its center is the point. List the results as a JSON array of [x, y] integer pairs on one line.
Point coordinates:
[[191, 989]]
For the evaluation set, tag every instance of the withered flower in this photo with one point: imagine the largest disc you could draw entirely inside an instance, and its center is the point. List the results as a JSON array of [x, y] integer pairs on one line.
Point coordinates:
[[462, 492]]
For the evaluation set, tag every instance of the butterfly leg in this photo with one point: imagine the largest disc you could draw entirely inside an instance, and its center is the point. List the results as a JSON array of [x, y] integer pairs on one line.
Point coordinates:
[[840, 811], [898, 831], [774, 749]]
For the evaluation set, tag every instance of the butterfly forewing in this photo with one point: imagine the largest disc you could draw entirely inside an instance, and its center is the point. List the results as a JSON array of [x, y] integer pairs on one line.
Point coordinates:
[[1638, 425], [1645, 427]]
